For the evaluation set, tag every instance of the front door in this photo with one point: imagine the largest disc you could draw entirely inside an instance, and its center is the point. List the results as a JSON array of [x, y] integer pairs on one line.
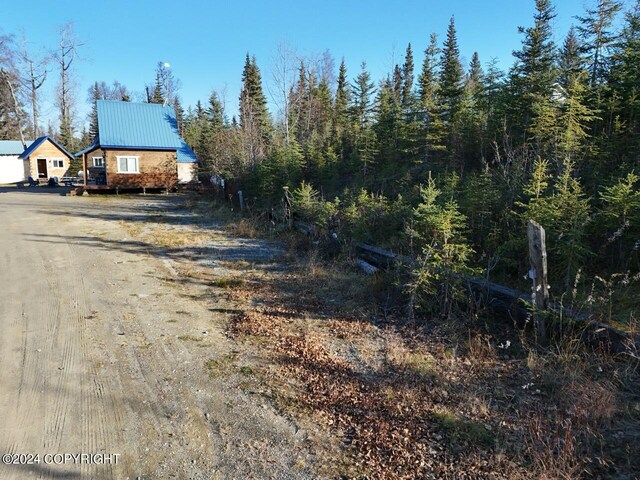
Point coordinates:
[[42, 168]]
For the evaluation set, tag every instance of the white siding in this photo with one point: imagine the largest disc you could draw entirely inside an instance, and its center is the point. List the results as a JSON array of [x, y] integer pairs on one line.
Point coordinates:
[[11, 169], [186, 172]]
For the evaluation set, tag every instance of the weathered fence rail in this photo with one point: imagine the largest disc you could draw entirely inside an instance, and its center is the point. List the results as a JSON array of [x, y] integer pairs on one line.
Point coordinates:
[[516, 303]]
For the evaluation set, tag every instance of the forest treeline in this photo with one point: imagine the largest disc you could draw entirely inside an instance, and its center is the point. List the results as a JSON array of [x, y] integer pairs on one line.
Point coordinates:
[[449, 161], [438, 159]]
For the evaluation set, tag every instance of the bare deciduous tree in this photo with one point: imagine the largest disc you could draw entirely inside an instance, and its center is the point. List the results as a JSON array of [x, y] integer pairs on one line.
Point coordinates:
[[65, 57], [34, 71], [169, 83], [283, 75], [9, 90]]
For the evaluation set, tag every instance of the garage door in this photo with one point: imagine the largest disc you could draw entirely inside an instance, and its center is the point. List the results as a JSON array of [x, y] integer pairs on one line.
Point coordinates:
[[11, 169]]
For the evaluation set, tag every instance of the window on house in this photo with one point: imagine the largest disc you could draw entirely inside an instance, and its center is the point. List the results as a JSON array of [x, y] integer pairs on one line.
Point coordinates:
[[57, 163], [98, 162], [127, 164]]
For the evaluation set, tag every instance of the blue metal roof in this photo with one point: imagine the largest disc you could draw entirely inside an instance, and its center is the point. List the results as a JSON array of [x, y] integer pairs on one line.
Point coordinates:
[[12, 147], [39, 142], [141, 126]]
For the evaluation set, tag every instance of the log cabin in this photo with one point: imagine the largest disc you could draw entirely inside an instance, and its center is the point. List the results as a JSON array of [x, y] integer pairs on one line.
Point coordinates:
[[137, 147]]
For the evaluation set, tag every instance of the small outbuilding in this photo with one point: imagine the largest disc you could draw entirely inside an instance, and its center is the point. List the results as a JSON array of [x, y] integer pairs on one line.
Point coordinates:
[[138, 146], [44, 159], [12, 167]]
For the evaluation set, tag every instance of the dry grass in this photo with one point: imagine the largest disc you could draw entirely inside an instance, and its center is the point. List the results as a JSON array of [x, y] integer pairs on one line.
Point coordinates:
[[553, 447], [458, 402], [479, 348], [244, 227], [173, 238], [408, 405]]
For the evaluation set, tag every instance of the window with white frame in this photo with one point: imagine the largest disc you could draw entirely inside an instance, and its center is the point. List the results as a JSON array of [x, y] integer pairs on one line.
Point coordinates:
[[57, 162], [98, 162], [127, 164]]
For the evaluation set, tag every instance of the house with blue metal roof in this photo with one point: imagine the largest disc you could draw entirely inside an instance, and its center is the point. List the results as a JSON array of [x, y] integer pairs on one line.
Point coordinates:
[[138, 146]]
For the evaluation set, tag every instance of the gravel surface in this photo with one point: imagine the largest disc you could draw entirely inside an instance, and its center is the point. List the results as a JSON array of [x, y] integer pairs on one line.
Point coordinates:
[[106, 349]]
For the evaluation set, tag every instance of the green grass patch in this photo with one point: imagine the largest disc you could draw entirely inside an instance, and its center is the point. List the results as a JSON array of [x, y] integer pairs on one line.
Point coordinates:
[[462, 433], [218, 367], [421, 364]]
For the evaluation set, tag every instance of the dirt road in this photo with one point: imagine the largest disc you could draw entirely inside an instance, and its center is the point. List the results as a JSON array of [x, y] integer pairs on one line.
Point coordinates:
[[104, 350]]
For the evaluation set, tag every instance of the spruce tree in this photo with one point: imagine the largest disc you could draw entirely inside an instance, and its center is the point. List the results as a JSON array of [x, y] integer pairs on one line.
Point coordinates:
[[575, 115], [533, 79], [65, 136], [323, 106], [340, 117], [427, 80], [215, 112], [388, 127], [411, 127], [407, 77], [475, 75], [571, 61], [564, 211], [620, 216], [598, 38], [396, 83], [451, 74], [362, 109], [493, 100], [158, 95], [624, 95], [342, 97], [428, 90], [253, 102], [472, 118], [438, 230], [255, 122], [362, 100], [93, 118], [177, 107], [571, 216]]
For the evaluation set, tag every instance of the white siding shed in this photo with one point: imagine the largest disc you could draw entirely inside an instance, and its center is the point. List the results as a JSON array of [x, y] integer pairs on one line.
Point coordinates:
[[12, 168]]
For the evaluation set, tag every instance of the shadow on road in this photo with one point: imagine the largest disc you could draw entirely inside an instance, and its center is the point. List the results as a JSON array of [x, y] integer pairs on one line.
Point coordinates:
[[44, 189], [41, 471]]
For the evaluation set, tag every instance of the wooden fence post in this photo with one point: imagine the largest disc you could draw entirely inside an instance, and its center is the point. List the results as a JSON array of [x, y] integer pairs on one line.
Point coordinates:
[[241, 199], [538, 274], [288, 207]]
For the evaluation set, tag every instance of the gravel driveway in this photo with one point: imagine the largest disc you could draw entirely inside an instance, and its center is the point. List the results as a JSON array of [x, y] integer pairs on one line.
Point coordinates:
[[104, 351]]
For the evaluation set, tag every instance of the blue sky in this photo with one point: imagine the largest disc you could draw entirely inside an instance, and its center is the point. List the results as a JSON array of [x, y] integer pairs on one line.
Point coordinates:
[[205, 41]]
